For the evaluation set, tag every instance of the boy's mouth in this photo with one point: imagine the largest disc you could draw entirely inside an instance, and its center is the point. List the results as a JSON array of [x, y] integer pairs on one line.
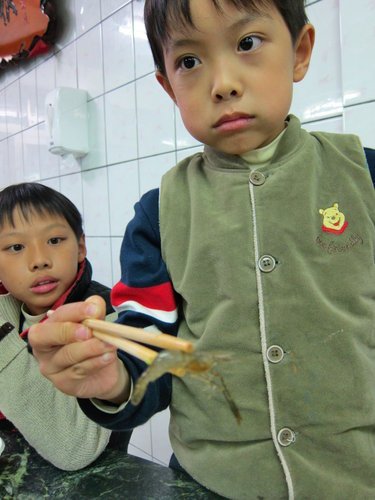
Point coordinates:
[[233, 122], [44, 285]]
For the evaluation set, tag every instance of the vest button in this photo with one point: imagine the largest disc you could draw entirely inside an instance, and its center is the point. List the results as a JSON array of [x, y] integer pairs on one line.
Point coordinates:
[[257, 178], [275, 354], [286, 437], [267, 263]]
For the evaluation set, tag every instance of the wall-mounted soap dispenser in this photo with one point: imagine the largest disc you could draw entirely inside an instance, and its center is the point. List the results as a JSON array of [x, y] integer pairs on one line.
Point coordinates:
[[67, 121]]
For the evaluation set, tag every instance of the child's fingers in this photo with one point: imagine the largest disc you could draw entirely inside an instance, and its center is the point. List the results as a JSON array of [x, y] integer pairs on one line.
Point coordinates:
[[63, 325], [89, 367], [46, 337], [74, 354], [87, 379], [93, 307]]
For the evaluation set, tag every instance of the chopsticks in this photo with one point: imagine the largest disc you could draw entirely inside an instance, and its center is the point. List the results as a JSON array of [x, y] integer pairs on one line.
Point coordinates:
[[126, 337]]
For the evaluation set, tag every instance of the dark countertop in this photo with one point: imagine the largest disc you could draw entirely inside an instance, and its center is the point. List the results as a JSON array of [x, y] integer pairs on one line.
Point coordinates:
[[24, 475]]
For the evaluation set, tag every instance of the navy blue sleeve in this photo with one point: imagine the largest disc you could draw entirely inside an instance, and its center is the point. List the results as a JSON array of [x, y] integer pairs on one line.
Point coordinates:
[[370, 157], [145, 296]]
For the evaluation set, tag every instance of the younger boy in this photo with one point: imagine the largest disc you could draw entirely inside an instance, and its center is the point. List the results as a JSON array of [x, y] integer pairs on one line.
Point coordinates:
[[42, 265], [262, 246]]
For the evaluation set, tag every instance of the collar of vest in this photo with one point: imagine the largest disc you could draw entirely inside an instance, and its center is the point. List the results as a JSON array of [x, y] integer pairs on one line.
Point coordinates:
[[290, 143]]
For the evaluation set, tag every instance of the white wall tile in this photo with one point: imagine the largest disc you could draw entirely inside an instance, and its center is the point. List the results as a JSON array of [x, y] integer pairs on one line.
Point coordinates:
[[87, 14], [69, 164], [141, 438], [52, 183], [118, 64], [152, 169], [133, 450], [49, 164], [183, 137], [334, 125], [90, 62], [29, 115], [155, 118], [15, 159], [360, 120], [66, 67], [3, 119], [144, 62], [31, 170], [71, 187], [318, 95], [358, 41], [116, 267], [95, 202], [123, 180], [4, 170], [161, 446], [13, 108], [109, 6], [99, 255], [45, 82], [96, 156], [121, 132]]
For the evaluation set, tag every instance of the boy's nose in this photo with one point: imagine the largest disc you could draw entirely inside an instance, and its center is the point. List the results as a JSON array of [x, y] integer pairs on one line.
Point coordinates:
[[39, 260], [225, 95], [225, 85], [42, 264], [224, 90]]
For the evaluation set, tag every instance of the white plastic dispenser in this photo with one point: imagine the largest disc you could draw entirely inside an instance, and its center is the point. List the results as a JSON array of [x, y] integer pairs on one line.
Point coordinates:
[[67, 121]]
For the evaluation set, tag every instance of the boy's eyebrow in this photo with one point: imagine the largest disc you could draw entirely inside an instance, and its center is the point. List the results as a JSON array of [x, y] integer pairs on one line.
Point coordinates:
[[57, 225], [53, 226], [10, 234], [175, 43]]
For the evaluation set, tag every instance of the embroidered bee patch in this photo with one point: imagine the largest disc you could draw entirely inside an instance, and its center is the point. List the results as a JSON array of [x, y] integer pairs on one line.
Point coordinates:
[[333, 220]]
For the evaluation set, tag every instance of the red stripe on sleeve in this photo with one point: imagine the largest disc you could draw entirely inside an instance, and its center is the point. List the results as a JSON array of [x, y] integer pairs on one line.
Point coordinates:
[[154, 297]]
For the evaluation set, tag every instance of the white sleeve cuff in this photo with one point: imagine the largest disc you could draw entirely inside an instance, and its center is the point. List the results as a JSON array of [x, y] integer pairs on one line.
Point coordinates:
[[110, 408]]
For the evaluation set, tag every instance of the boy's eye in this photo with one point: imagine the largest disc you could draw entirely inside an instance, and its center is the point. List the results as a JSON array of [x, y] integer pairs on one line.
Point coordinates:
[[249, 43], [188, 62], [15, 248], [55, 241]]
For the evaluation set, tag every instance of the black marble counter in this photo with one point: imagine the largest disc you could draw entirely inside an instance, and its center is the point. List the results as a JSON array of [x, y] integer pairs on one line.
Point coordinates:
[[24, 475]]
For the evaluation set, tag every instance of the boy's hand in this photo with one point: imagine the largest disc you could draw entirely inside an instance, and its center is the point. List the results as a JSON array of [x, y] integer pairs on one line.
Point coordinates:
[[73, 360]]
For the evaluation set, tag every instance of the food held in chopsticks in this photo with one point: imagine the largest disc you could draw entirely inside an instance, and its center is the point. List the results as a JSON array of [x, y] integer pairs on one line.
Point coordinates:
[[196, 364], [179, 357], [122, 336]]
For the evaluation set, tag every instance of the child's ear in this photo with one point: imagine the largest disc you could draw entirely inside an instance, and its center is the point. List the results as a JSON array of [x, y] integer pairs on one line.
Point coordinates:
[[303, 50], [82, 250], [164, 82]]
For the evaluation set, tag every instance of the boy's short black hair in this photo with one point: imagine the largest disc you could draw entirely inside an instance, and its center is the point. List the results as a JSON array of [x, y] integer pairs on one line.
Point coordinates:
[[34, 198], [161, 15]]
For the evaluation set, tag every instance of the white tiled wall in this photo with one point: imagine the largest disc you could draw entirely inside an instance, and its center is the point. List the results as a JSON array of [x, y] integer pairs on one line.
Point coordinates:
[[136, 133]]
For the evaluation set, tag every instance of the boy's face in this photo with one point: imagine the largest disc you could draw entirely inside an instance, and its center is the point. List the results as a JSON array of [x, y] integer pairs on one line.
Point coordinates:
[[39, 259], [232, 77]]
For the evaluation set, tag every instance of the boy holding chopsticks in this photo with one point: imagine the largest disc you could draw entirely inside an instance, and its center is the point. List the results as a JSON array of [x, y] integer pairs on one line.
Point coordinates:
[[262, 246], [42, 266]]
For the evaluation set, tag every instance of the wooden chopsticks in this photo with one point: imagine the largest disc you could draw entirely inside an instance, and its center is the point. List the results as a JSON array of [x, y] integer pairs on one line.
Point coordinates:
[[126, 338]]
